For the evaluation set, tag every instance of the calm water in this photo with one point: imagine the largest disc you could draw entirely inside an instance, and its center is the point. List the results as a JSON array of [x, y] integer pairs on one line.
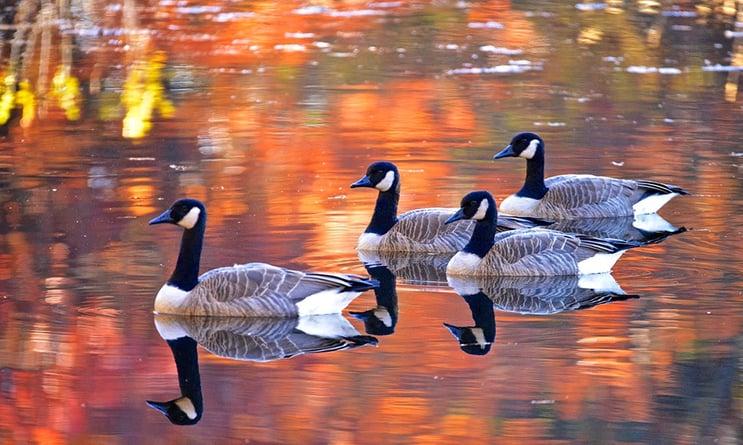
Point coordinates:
[[268, 111]]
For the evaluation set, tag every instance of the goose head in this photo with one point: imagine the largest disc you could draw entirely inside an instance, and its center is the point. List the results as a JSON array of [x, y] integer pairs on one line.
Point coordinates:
[[478, 205], [381, 175], [523, 145], [186, 213], [180, 411], [472, 339]]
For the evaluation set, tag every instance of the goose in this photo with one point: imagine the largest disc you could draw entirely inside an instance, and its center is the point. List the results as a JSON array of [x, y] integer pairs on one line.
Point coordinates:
[[578, 196], [526, 252], [246, 290], [420, 230], [256, 339]]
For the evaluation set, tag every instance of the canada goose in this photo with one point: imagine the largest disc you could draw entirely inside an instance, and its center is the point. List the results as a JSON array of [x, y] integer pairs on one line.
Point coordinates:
[[420, 230], [258, 339], [246, 290], [578, 196], [477, 339], [530, 252]]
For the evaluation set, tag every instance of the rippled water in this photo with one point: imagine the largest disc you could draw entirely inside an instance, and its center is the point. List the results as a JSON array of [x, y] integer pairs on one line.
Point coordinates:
[[268, 111]]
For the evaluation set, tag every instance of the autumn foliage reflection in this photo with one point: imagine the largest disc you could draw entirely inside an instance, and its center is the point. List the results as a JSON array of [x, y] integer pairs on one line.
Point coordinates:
[[268, 111]]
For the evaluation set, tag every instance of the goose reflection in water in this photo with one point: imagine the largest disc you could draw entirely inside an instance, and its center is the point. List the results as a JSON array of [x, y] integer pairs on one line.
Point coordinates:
[[382, 319], [526, 295], [645, 229], [412, 267], [249, 339]]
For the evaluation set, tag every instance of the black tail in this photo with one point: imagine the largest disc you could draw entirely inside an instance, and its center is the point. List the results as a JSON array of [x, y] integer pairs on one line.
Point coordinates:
[[362, 284], [608, 245], [661, 189]]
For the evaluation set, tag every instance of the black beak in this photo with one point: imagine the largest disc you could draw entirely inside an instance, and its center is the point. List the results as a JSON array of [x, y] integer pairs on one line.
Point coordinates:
[[506, 152], [363, 182], [456, 217], [164, 218], [160, 406]]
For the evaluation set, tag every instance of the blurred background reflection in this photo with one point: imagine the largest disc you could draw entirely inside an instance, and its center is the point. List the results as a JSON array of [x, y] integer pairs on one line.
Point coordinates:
[[268, 111]]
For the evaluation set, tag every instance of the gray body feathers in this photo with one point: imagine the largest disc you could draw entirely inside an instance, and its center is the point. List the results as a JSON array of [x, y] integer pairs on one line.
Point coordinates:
[[424, 230], [259, 290], [589, 196]]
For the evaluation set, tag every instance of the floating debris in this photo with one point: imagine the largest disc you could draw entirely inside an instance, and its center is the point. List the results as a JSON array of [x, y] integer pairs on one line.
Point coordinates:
[[652, 69], [489, 25], [500, 50]]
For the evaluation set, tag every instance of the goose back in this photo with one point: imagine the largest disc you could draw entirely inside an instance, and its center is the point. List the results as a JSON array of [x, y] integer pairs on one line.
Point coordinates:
[[423, 230]]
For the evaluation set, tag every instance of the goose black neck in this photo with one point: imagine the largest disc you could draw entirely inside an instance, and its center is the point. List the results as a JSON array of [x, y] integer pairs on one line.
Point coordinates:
[[386, 292], [482, 313], [534, 183], [185, 276], [187, 363], [482, 237], [385, 211]]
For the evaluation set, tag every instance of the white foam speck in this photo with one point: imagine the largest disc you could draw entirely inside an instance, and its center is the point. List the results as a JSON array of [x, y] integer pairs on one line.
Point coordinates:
[[500, 50], [489, 25]]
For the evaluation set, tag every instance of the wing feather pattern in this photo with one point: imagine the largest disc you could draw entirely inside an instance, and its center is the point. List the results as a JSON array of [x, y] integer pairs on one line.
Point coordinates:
[[259, 289], [424, 230]]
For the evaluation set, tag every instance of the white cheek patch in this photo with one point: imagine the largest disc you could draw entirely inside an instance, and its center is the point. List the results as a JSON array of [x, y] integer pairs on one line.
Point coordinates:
[[384, 316], [531, 150], [481, 210], [186, 405], [387, 182], [191, 218]]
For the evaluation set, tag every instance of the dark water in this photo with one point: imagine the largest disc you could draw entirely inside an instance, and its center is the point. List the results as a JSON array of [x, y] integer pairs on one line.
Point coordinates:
[[268, 111]]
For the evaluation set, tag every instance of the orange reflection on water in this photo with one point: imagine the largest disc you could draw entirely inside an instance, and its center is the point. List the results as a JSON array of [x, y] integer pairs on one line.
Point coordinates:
[[271, 137]]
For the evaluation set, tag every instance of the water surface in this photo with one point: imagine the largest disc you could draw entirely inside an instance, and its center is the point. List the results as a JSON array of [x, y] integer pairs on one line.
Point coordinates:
[[268, 111]]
